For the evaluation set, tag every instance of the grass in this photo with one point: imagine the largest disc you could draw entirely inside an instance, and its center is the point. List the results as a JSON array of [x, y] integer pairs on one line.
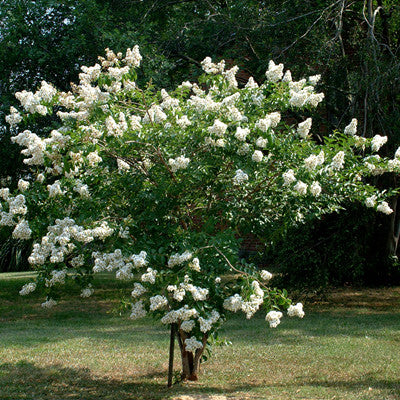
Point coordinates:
[[347, 347]]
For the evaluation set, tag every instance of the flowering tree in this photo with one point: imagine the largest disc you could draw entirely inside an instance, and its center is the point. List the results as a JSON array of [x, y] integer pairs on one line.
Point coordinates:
[[160, 187]]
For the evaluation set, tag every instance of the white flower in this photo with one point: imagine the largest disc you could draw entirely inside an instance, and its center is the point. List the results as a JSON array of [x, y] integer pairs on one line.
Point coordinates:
[[149, 276], [27, 288], [263, 124], [195, 264], [138, 310], [133, 57], [311, 162], [274, 318], [251, 84], [87, 292], [233, 303], [192, 344], [220, 142], [217, 280], [240, 177], [287, 77], [261, 142], [93, 158], [23, 185], [300, 188], [257, 156], [122, 165], [265, 275], [288, 177], [219, 128], [304, 128], [49, 303], [177, 259], [187, 326], [384, 208], [338, 160], [180, 162], [55, 189], [275, 72], [370, 201], [315, 189], [138, 290], [351, 129], [296, 311], [241, 133], [314, 79], [22, 231], [157, 302], [377, 142]]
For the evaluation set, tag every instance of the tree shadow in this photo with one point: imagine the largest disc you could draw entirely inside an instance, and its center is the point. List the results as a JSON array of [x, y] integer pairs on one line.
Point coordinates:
[[25, 380]]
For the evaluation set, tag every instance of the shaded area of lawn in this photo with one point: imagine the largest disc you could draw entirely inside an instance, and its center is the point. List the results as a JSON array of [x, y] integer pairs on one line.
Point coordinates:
[[347, 347]]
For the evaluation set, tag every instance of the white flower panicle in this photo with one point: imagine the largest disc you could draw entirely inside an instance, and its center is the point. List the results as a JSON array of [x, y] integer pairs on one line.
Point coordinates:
[[206, 324], [304, 128], [187, 326], [157, 302], [384, 207], [296, 311], [241, 133], [49, 303], [195, 264], [274, 318], [351, 129], [192, 344], [210, 68], [240, 177], [138, 290], [177, 259], [301, 188], [218, 128], [370, 201], [274, 72], [257, 156], [149, 276], [288, 177], [87, 292], [377, 142], [233, 303], [265, 275], [23, 185], [180, 162], [138, 310], [22, 231], [315, 189], [338, 160], [27, 288]]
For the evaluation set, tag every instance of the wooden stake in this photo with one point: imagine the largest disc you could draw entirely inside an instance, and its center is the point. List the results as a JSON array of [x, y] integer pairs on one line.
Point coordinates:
[[171, 355]]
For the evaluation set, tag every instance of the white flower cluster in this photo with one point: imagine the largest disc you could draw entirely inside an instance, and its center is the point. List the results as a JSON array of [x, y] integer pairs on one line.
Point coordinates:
[[218, 128], [14, 118], [384, 207], [138, 290], [265, 275], [57, 276], [288, 177], [296, 311], [240, 177], [241, 133], [210, 68], [22, 231], [274, 72], [195, 264], [87, 292], [377, 142], [314, 161], [49, 303], [58, 241], [206, 324], [351, 129], [304, 128], [157, 302], [177, 259], [274, 318], [180, 162], [338, 160], [149, 276], [138, 310], [27, 288], [192, 344], [31, 102], [269, 121], [182, 314]]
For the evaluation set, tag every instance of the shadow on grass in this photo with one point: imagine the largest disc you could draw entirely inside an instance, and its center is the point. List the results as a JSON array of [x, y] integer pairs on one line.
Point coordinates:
[[25, 380], [316, 324]]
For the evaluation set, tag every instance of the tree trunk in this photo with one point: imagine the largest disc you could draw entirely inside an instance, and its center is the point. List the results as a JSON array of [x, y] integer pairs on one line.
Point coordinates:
[[190, 361]]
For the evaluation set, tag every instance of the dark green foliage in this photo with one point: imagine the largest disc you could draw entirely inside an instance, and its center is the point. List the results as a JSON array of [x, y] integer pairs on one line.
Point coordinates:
[[339, 249]]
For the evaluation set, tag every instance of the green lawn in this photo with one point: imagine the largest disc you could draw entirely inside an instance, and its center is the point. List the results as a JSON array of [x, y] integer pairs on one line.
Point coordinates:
[[347, 347]]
